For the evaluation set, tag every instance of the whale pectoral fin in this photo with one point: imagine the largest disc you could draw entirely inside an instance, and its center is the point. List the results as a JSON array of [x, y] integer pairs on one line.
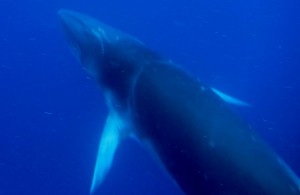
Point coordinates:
[[108, 144], [229, 99]]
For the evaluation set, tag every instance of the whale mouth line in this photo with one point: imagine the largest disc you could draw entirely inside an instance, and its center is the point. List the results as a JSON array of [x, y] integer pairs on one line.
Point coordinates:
[[99, 33]]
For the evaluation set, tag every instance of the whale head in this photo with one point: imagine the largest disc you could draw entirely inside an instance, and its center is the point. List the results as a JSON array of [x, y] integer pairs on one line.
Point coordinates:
[[104, 52]]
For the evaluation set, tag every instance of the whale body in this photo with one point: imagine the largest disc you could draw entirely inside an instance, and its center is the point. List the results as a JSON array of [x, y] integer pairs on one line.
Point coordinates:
[[205, 146]]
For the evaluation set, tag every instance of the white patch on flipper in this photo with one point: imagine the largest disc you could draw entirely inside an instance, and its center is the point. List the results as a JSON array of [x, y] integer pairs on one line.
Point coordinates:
[[109, 141], [229, 99]]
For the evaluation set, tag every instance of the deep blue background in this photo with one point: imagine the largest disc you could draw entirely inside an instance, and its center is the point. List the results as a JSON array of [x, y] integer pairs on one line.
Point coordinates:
[[52, 114]]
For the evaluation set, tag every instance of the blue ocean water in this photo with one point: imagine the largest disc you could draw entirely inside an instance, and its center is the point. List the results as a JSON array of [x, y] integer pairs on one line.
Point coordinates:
[[52, 113]]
